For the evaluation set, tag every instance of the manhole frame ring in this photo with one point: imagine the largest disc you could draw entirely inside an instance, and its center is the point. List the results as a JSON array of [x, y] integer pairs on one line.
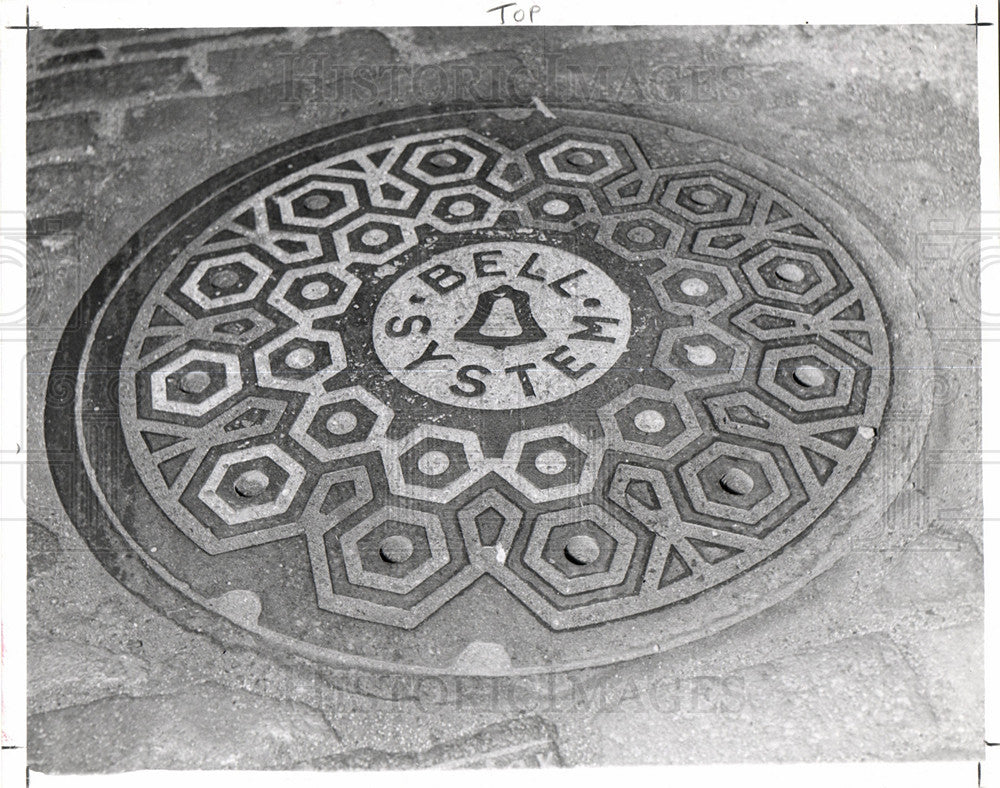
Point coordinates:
[[904, 424]]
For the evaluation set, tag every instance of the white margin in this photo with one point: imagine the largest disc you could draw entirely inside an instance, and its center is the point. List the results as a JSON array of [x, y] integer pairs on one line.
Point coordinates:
[[13, 383], [400, 13], [989, 233], [933, 774], [293, 13]]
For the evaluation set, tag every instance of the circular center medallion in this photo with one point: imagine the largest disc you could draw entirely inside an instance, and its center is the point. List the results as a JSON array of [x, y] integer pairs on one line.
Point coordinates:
[[374, 390], [501, 325]]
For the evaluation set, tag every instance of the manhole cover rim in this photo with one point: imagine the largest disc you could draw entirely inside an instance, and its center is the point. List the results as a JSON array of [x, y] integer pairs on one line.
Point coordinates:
[[835, 525]]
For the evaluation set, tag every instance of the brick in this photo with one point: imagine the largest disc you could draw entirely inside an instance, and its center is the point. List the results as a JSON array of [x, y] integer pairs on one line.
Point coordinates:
[[490, 76], [248, 66], [59, 180], [83, 37], [458, 40], [43, 549], [106, 81], [56, 224], [129, 732], [63, 131], [186, 41], [73, 58], [203, 113]]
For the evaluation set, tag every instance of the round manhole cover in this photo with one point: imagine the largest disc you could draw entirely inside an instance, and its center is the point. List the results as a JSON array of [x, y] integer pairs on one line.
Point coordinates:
[[479, 390]]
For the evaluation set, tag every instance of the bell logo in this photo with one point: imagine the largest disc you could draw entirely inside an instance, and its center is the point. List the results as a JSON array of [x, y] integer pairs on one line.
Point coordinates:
[[502, 318], [500, 326]]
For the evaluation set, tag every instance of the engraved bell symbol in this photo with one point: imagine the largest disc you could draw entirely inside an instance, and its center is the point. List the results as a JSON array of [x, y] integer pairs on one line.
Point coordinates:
[[502, 318]]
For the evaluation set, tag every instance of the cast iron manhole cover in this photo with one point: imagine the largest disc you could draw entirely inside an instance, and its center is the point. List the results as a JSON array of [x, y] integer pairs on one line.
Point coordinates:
[[477, 390]]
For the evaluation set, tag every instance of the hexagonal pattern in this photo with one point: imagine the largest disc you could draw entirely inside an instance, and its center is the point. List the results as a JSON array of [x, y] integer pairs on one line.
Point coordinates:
[[373, 241], [195, 382], [317, 203], [300, 360], [340, 423], [649, 421], [395, 572], [495, 345], [789, 275], [461, 208], [807, 377], [444, 162], [314, 292], [642, 235], [692, 288], [550, 549], [580, 161], [550, 462], [434, 464], [701, 353], [734, 483], [218, 282], [559, 208], [252, 484], [703, 197]]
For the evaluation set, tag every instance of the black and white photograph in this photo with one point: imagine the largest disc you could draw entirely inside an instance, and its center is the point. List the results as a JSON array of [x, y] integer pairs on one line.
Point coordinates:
[[507, 393]]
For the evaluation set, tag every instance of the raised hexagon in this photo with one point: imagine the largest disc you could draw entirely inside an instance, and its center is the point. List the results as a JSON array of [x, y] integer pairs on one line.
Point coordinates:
[[641, 235], [374, 241], [376, 569], [252, 484], [444, 162], [649, 421], [733, 482], [790, 275], [551, 462], [806, 377], [580, 161], [557, 206], [226, 279], [373, 237], [692, 288], [300, 360], [395, 549], [433, 463], [195, 382], [702, 197], [547, 463], [693, 354], [317, 203], [579, 549], [341, 423], [461, 207], [317, 291]]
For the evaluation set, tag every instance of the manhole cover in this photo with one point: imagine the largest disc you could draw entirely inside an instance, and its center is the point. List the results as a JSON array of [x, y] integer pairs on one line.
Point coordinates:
[[478, 390]]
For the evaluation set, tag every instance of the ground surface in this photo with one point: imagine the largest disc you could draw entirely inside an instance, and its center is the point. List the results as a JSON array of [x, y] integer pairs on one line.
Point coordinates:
[[880, 657]]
